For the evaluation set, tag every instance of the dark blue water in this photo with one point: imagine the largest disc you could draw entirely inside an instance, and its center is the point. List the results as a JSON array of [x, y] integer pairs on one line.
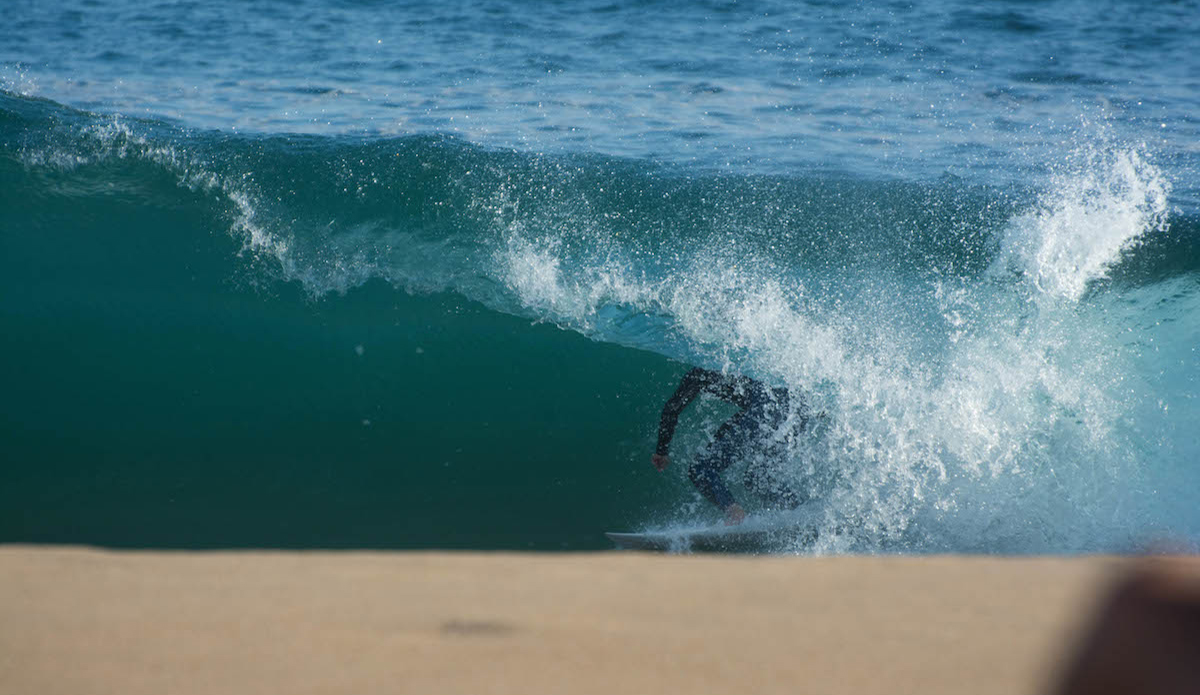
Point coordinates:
[[347, 273]]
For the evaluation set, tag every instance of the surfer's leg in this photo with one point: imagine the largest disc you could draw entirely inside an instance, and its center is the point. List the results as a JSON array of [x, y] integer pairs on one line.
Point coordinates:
[[707, 479], [729, 443], [766, 482], [764, 477]]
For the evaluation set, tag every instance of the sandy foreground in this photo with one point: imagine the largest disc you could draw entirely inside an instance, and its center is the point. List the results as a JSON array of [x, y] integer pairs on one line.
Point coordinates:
[[77, 621]]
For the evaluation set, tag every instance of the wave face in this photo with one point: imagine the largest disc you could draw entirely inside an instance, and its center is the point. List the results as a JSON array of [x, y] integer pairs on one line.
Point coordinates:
[[222, 339]]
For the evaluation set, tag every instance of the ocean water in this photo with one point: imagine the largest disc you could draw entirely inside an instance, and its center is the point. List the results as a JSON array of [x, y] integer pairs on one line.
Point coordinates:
[[345, 273]]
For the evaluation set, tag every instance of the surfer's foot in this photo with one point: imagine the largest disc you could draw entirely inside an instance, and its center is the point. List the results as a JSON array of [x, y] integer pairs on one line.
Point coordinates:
[[734, 514]]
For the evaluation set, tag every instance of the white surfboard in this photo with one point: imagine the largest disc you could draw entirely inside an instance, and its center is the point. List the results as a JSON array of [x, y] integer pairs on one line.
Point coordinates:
[[762, 535]]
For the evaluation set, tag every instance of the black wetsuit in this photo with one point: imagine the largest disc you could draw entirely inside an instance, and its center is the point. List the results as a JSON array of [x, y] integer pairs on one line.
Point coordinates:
[[749, 433]]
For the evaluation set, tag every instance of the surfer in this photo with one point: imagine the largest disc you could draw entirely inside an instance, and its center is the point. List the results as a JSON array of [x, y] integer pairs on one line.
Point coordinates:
[[755, 431]]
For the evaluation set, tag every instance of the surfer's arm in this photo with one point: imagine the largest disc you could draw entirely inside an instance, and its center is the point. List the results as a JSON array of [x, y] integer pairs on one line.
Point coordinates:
[[689, 387]]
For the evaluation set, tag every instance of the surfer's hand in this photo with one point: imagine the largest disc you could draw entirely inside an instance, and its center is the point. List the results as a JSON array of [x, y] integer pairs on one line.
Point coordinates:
[[734, 514], [660, 461]]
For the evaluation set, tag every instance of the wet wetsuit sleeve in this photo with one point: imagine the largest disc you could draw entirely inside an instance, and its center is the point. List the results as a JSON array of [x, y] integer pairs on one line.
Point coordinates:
[[689, 387]]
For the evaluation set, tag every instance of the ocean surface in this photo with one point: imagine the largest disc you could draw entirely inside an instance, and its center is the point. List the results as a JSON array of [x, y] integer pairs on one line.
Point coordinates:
[[348, 273]]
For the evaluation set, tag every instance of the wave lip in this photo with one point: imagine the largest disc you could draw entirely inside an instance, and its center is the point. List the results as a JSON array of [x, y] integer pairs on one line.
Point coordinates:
[[1080, 227]]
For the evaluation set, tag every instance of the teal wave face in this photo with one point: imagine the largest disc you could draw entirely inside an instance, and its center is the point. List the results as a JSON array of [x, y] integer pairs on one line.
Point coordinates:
[[219, 340], [158, 394]]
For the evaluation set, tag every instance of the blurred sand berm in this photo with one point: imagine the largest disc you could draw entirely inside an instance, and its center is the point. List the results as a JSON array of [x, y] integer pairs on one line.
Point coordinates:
[[76, 620]]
